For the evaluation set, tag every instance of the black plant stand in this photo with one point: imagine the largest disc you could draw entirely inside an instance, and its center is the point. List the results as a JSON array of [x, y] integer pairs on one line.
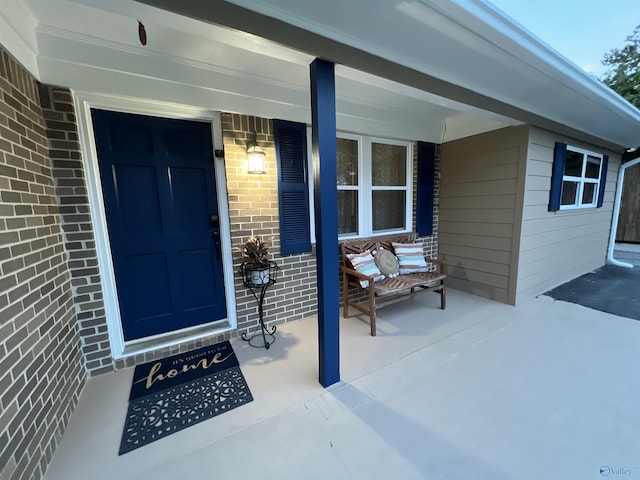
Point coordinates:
[[259, 291]]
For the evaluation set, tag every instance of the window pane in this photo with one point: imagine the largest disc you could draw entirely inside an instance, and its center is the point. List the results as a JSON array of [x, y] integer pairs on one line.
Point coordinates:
[[347, 212], [347, 159], [573, 164], [388, 164], [388, 208], [569, 190], [593, 167], [588, 196]]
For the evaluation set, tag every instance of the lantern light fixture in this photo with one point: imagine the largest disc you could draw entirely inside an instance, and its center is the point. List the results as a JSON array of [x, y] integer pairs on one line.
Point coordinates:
[[256, 158]]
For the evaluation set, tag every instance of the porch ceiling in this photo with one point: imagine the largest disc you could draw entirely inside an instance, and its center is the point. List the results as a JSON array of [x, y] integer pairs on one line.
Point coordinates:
[[465, 50], [434, 70], [92, 46]]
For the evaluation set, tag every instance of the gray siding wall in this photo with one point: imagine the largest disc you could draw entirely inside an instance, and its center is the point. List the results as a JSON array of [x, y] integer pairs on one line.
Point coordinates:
[[41, 365], [480, 211], [559, 246]]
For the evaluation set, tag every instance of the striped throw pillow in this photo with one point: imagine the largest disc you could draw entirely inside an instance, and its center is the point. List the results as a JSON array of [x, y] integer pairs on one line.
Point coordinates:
[[364, 263], [410, 257]]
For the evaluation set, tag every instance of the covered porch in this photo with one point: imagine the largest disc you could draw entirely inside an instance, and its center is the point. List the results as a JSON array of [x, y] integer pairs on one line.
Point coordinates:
[[454, 74], [481, 390]]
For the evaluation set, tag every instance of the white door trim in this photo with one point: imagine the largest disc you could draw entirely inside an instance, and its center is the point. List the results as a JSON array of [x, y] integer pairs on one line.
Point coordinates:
[[84, 101]]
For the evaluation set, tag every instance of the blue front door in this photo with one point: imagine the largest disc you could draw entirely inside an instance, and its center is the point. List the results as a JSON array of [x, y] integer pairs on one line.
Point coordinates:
[[158, 184]]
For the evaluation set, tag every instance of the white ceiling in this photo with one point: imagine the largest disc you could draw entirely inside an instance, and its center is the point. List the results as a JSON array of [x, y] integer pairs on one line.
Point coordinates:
[[438, 69]]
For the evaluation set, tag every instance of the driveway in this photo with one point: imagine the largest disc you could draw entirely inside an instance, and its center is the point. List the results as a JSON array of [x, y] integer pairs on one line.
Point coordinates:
[[609, 289]]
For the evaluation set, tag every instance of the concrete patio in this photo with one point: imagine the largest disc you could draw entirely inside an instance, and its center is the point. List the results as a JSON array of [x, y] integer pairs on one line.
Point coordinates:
[[482, 390], [628, 252]]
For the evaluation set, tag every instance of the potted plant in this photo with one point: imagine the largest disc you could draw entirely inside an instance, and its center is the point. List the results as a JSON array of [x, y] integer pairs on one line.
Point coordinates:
[[256, 264]]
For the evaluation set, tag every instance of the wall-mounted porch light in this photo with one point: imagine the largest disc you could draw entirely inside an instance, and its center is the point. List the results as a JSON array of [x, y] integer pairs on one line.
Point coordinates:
[[255, 157]]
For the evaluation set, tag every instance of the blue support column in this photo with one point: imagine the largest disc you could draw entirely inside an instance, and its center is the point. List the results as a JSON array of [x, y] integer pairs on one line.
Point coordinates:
[[323, 115]]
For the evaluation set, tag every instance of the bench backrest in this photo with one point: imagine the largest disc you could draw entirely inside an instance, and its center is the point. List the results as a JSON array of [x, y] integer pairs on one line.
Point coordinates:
[[359, 245]]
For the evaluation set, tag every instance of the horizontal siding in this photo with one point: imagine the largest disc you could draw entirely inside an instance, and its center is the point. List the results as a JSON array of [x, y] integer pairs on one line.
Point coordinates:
[[478, 211], [470, 214], [561, 265], [561, 249], [562, 261], [488, 173], [558, 246], [537, 183], [482, 202], [556, 237], [538, 168], [504, 230], [541, 211], [488, 242], [496, 268], [548, 224], [463, 253], [543, 285], [480, 289], [494, 187]]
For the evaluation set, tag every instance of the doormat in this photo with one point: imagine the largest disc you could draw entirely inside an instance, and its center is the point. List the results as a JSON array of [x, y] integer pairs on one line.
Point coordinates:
[[174, 393]]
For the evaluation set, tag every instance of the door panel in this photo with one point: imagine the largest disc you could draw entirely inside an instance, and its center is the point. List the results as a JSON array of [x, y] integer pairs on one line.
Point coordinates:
[[159, 192], [197, 264], [138, 201], [189, 190], [144, 286]]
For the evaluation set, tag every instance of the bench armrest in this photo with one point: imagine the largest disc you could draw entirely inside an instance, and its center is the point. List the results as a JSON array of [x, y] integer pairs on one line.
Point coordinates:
[[354, 273], [439, 263]]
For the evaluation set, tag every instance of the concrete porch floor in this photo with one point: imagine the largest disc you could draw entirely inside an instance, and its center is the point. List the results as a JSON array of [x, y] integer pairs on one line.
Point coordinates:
[[480, 391]]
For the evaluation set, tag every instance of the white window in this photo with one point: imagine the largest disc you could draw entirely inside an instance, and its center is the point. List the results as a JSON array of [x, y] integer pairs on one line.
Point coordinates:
[[374, 185], [581, 179]]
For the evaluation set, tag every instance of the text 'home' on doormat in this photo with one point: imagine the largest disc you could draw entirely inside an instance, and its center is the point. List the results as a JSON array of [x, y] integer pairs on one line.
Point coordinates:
[[173, 393]]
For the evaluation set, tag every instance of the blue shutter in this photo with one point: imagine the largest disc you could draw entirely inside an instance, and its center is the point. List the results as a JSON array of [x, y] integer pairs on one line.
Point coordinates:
[[559, 157], [603, 180], [425, 188], [293, 188]]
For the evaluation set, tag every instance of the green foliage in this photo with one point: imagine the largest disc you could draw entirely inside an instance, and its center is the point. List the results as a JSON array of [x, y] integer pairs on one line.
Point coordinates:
[[623, 73]]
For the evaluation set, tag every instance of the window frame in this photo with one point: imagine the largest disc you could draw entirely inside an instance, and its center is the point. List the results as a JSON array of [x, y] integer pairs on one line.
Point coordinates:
[[365, 188], [358, 189], [582, 180]]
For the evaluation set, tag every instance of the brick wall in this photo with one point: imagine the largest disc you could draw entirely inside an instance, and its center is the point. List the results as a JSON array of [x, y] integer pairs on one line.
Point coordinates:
[[253, 210], [71, 189], [253, 204], [41, 367]]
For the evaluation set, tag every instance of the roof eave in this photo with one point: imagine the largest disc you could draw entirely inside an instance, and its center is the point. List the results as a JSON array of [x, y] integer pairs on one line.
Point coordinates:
[[265, 19]]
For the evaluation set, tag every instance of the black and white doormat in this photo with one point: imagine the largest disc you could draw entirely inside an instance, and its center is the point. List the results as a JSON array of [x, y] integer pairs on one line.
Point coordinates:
[[177, 392]]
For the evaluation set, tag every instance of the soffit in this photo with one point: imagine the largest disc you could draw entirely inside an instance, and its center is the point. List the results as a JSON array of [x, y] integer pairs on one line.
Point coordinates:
[[424, 63], [465, 50], [83, 43]]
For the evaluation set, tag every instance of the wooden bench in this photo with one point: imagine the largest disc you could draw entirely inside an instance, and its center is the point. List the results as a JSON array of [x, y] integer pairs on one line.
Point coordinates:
[[389, 290]]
